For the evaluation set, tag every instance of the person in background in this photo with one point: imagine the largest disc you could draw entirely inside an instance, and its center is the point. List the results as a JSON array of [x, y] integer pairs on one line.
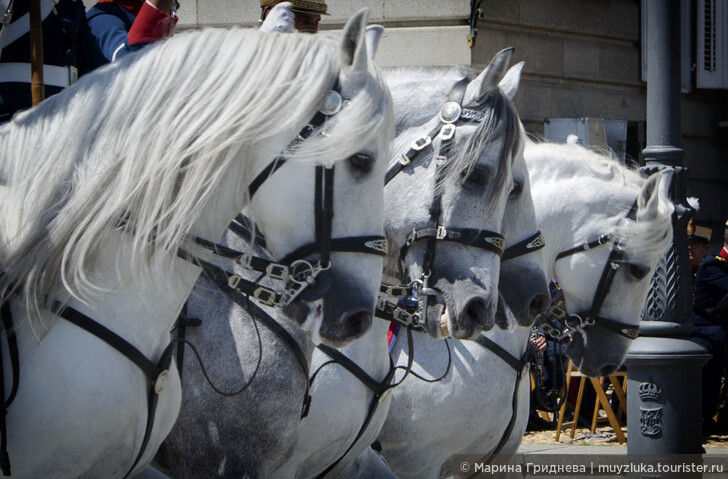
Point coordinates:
[[710, 319], [120, 27], [285, 17], [698, 244], [66, 50]]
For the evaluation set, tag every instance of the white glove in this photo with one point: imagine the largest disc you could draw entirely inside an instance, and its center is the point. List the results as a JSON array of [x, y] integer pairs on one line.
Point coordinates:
[[279, 19]]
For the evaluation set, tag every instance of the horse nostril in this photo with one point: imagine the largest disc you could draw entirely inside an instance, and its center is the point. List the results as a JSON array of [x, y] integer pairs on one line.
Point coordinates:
[[539, 304], [608, 369], [358, 323], [476, 313]]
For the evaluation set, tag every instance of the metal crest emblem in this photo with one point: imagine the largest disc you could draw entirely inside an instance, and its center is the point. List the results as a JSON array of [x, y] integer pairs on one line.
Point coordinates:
[[332, 103], [499, 243], [378, 245], [536, 243], [450, 112], [651, 421]]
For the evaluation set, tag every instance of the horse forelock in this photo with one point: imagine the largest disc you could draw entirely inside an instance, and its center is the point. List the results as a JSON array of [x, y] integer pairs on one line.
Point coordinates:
[[501, 121], [153, 151]]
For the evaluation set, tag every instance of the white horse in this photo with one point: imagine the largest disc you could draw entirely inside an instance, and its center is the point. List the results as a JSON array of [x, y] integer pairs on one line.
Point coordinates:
[[349, 407], [482, 406], [92, 223]]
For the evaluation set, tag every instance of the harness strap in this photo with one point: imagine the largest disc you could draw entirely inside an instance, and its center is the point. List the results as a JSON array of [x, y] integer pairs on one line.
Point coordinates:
[[508, 358], [282, 334], [233, 282], [369, 244], [602, 239], [406, 158], [156, 373], [533, 243], [244, 228], [377, 388], [518, 365], [483, 239]]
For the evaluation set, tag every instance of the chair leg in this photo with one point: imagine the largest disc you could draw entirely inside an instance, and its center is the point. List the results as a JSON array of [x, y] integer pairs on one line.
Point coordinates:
[[608, 409], [562, 410], [578, 406], [595, 414]]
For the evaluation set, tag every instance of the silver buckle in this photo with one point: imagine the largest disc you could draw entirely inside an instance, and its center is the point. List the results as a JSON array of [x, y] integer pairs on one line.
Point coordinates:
[[447, 131], [264, 296], [421, 143], [234, 281], [277, 271], [404, 160], [441, 232]]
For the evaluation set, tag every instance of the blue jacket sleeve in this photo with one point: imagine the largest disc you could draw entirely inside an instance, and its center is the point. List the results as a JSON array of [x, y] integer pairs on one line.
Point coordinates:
[[109, 25]]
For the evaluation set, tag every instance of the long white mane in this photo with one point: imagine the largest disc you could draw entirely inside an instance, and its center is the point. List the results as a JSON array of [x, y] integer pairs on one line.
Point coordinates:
[[571, 169], [147, 140]]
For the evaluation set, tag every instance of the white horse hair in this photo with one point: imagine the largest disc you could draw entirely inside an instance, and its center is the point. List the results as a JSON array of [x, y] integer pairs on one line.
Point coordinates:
[[180, 138]]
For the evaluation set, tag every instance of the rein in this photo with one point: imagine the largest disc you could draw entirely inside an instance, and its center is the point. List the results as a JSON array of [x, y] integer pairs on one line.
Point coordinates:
[[580, 322]]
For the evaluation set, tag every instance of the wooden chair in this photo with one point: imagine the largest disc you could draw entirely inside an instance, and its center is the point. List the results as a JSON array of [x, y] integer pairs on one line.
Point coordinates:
[[618, 385]]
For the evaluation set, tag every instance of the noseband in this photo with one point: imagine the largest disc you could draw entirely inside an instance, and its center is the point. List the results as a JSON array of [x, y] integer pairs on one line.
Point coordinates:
[[580, 322], [414, 310]]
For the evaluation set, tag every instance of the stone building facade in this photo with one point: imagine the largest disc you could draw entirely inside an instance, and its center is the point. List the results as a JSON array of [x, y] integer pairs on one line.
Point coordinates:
[[583, 60]]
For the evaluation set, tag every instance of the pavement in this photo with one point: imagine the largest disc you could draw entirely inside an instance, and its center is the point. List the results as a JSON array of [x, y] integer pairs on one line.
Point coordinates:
[[595, 449]]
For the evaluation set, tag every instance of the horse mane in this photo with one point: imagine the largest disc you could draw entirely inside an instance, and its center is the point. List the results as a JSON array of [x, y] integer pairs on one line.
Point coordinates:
[[145, 142], [428, 90], [551, 161]]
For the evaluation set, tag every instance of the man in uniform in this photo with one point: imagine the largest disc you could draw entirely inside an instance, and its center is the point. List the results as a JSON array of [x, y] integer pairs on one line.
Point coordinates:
[[120, 27], [66, 55], [280, 16], [698, 244], [710, 318]]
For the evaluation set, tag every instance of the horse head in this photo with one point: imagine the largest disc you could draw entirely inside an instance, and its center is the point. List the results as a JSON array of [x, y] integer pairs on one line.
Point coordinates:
[[448, 188], [341, 239], [608, 228]]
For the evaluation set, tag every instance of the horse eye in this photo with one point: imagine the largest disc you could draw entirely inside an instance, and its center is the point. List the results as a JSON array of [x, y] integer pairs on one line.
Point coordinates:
[[361, 162], [516, 191], [637, 271], [474, 178]]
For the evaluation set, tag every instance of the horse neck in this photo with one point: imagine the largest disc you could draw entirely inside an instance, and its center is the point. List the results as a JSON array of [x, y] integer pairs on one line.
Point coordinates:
[[144, 310]]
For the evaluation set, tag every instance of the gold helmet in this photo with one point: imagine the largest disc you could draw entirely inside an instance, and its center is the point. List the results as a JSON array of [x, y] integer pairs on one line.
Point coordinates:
[[305, 6]]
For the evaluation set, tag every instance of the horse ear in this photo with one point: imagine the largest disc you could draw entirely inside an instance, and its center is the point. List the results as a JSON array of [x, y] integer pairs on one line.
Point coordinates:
[[372, 34], [488, 78], [509, 83], [354, 66], [655, 192]]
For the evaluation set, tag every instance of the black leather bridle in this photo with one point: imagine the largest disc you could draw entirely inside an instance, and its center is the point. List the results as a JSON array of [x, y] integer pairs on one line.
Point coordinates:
[[582, 321], [418, 293]]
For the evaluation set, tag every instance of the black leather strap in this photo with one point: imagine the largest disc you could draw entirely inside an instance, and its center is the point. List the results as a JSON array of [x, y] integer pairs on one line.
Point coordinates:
[[483, 239], [533, 243], [151, 370]]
